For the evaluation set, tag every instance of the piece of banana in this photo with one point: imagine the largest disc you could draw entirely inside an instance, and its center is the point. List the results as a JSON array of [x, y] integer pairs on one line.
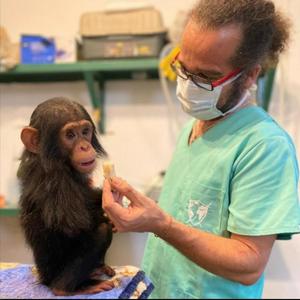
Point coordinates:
[[108, 169]]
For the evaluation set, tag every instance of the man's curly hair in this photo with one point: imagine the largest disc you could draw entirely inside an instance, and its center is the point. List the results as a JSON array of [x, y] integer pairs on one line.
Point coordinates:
[[265, 31]]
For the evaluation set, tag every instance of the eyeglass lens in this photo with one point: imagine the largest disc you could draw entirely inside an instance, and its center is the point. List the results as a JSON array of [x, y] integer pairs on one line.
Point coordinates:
[[201, 82]]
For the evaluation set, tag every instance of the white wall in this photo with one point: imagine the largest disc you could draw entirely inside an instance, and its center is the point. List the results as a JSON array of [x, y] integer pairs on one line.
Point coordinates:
[[138, 135]]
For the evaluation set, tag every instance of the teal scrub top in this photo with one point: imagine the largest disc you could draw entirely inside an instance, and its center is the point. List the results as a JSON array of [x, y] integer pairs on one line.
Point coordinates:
[[240, 177]]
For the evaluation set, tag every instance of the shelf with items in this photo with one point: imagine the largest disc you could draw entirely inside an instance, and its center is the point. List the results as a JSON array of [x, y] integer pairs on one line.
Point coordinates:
[[94, 73]]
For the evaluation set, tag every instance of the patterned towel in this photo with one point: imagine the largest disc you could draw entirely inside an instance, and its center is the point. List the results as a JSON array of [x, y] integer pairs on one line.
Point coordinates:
[[21, 282]]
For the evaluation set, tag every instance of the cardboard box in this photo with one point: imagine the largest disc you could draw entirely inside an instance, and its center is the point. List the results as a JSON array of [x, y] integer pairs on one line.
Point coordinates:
[[121, 34], [125, 46]]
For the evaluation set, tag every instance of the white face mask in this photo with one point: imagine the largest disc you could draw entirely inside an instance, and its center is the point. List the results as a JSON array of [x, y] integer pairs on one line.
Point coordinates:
[[200, 103]]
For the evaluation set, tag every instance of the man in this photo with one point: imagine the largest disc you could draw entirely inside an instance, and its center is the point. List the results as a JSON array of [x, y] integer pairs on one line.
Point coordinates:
[[231, 188]]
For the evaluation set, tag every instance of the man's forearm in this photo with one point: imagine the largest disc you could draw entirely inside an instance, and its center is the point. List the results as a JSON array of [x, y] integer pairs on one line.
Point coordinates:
[[239, 260]]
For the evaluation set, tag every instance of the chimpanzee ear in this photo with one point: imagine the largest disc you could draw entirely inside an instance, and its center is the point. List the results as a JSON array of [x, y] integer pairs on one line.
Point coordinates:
[[29, 137]]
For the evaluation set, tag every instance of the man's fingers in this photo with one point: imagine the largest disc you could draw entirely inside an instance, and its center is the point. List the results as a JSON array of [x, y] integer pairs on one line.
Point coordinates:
[[118, 197], [107, 196], [114, 222], [112, 208], [125, 189]]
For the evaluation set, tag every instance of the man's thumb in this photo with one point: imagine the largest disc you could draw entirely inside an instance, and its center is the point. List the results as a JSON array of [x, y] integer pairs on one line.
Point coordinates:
[[125, 189]]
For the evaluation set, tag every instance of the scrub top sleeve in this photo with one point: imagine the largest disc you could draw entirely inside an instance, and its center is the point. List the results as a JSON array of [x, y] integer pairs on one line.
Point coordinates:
[[264, 192]]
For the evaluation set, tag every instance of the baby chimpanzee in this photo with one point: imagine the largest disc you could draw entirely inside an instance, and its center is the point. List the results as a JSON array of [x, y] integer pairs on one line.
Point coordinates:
[[61, 213]]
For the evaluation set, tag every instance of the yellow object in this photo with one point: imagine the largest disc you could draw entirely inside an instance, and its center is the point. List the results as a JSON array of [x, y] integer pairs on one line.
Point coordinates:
[[108, 169], [97, 115], [5, 266], [165, 64]]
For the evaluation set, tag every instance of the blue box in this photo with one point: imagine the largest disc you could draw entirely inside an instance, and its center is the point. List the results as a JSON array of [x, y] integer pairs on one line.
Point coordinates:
[[36, 49]]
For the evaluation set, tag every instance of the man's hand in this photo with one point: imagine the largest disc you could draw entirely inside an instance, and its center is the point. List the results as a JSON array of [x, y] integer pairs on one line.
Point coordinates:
[[141, 215], [238, 258]]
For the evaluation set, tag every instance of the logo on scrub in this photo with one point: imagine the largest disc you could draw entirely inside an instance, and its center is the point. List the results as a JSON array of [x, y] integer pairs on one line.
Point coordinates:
[[197, 212]]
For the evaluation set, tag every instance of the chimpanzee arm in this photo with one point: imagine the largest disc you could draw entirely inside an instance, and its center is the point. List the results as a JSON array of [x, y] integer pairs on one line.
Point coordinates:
[[64, 207]]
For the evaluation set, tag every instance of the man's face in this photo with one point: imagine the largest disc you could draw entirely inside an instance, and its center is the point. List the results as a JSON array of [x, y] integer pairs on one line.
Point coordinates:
[[209, 52]]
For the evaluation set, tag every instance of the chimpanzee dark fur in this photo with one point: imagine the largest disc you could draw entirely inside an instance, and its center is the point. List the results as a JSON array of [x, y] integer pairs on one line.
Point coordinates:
[[61, 212]]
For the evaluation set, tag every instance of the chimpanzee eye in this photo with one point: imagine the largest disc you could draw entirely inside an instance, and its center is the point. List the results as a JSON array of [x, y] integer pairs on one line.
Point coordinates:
[[70, 135], [86, 131]]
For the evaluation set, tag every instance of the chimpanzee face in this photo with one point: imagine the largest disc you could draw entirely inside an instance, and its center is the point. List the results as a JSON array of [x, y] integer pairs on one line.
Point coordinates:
[[75, 139], [61, 133]]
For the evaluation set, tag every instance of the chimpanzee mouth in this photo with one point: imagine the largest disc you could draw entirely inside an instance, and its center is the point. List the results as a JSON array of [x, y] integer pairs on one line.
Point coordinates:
[[87, 163]]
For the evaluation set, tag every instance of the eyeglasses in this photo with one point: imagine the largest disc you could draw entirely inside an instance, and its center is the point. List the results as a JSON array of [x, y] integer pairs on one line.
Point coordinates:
[[199, 79]]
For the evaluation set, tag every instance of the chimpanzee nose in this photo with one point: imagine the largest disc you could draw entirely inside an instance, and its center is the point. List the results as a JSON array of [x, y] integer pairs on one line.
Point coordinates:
[[84, 146]]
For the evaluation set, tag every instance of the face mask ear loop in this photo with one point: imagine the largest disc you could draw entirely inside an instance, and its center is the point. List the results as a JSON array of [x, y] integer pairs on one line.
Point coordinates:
[[230, 80], [239, 104], [224, 84]]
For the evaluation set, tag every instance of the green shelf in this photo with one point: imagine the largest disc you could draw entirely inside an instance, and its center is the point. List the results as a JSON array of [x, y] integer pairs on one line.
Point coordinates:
[[95, 73], [109, 68], [9, 211]]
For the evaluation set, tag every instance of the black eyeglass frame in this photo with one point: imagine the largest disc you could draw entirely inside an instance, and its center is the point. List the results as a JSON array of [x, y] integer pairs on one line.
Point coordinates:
[[210, 85], [180, 71]]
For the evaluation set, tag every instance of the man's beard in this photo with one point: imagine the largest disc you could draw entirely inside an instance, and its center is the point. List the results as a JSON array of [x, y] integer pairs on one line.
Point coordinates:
[[233, 96]]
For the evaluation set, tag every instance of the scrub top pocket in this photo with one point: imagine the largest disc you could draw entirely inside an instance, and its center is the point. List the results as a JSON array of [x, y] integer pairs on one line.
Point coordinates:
[[202, 207]]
